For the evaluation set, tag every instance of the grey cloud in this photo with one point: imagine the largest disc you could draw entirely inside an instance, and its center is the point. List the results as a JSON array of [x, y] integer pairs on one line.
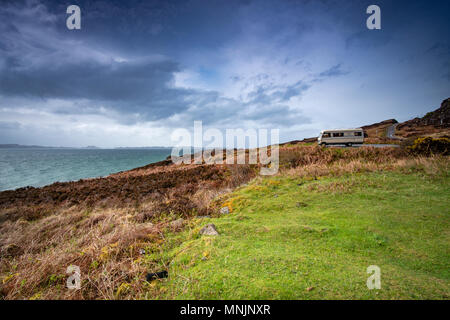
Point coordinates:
[[136, 89], [276, 93], [39, 61], [84, 79], [334, 71], [9, 125], [142, 87], [265, 105]]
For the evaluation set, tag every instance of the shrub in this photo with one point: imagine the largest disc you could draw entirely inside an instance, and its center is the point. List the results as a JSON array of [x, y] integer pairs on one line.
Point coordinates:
[[430, 146]]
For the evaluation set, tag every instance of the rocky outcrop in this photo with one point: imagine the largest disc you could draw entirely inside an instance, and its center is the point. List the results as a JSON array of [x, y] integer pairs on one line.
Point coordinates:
[[209, 230], [435, 124], [177, 224], [439, 118]]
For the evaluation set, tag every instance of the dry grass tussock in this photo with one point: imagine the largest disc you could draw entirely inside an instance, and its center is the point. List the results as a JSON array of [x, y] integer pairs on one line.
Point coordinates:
[[308, 155], [317, 162], [105, 244]]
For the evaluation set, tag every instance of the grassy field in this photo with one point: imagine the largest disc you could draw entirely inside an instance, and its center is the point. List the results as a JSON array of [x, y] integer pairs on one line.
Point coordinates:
[[306, 238]]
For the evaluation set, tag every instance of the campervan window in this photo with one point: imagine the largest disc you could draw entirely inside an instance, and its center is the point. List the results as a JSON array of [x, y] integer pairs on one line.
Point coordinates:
[[358, 133], [338, 134], [326, 135]]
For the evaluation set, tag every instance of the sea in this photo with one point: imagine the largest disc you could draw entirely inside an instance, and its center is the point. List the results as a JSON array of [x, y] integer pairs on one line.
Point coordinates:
[[37, 167]]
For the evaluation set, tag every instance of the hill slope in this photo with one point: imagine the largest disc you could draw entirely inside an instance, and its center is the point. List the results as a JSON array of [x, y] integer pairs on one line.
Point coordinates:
[[118, 228], [296, 238], [435, 123]]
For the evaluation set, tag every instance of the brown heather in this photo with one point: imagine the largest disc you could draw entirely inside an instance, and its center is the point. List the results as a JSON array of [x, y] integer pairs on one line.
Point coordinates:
[[102, 224]]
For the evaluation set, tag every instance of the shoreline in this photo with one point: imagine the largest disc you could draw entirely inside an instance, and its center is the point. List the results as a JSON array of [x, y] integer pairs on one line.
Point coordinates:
[[38, 168]]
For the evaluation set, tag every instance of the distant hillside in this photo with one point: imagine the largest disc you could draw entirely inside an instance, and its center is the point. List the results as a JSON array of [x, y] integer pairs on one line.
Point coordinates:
[[377, 132], [378, 125], [13, 145], [435, 123], [21, 146]]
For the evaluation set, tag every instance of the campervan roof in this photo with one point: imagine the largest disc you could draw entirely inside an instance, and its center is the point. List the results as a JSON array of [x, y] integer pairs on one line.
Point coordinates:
[[341, 130]]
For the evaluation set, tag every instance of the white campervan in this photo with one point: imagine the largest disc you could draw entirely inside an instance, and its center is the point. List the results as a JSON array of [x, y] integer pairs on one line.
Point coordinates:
[[347, 137]]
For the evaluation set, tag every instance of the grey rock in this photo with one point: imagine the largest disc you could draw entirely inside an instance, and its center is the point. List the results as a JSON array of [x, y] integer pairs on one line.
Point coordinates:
[[224, 210], [177, 224], [209, 230]]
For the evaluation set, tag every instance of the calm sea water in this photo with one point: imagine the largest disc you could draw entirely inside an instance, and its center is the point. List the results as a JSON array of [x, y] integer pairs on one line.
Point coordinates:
[[39, 167]]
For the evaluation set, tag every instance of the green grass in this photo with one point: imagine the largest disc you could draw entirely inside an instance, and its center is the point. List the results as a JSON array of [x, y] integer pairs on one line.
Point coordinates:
[[283, 238]]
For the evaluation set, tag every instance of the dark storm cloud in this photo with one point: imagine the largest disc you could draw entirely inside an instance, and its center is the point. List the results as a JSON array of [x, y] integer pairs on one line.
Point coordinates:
[[36, 61], [40, 61], [141, 86], [115, 81]]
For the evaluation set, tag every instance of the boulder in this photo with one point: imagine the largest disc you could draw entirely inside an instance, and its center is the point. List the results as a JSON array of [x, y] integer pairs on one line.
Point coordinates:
[[224, 210], [177, 224], [209, 230]]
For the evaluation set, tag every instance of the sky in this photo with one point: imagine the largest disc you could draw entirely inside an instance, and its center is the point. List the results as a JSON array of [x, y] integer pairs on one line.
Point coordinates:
[[138, 70]]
